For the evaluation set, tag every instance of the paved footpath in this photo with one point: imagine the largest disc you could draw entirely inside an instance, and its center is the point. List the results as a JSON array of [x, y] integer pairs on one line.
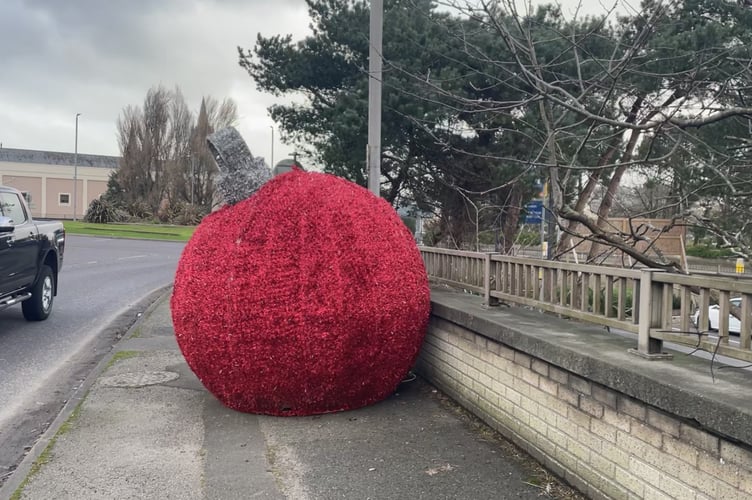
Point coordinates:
[[144, 427]]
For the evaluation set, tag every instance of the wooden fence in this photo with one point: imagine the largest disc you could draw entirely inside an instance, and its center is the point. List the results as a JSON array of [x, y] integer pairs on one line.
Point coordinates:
[[635, 300]]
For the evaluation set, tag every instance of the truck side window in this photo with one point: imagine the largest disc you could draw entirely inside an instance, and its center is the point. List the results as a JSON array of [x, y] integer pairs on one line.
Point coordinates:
[[12, 207]]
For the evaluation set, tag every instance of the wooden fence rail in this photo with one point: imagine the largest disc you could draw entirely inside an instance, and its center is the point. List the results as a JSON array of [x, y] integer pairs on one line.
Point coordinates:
[[641, 301]]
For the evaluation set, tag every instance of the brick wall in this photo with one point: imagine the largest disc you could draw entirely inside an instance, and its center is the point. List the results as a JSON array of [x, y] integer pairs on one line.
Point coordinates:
[[603, 442]]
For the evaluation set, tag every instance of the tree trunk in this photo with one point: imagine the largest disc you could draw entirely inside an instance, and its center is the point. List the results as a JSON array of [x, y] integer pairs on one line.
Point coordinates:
[[593, 179], [511, 219], [613, 186], [582, 200]]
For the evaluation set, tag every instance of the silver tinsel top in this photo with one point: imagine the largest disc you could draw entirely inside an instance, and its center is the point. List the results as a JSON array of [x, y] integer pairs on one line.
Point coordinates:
[[240, 173]]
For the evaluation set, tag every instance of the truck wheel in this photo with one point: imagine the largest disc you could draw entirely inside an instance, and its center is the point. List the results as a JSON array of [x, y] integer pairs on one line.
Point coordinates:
[[39, 306]]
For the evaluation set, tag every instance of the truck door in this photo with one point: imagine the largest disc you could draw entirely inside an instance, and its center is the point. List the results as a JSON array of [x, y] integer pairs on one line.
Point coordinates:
[[20, 248], [5, 239]]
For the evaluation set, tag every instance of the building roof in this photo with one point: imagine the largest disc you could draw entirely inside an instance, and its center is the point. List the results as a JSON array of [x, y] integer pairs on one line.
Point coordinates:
[[284, 166], [56, 158]]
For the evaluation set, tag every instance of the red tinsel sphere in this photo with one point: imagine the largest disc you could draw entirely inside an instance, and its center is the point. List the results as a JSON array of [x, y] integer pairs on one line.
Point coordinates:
[[309, 297]]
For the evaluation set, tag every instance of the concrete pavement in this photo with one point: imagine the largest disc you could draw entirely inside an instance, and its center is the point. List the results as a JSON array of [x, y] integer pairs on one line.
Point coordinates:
[[144, 427]]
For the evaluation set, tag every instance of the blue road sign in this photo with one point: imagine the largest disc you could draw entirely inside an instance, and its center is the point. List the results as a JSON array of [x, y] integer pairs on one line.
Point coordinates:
[[534, 212]]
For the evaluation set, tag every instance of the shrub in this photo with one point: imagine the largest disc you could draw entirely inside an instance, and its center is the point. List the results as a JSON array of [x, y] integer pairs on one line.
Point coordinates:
[[708, 252], [185, 214], [528, 237], [103, 212], [675, 301], [614, 300], [409, 222], [139, 210]]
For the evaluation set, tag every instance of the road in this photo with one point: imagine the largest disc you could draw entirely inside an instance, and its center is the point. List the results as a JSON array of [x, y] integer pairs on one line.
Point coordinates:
[[41, 364], [711, 336]]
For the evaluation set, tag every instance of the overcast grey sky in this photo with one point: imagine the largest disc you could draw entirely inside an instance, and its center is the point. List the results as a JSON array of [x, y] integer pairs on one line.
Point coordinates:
[[94, 57]]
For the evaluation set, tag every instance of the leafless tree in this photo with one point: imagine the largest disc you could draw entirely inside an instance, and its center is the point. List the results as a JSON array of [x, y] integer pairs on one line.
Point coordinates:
[[165, 161], [598, 98]]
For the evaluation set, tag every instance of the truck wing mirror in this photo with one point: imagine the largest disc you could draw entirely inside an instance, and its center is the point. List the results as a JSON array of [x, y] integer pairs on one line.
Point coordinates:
[[6, 225]]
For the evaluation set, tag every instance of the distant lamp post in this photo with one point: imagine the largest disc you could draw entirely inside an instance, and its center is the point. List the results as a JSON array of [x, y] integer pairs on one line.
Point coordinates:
[[272, 127], [193, 178], [75, 170]]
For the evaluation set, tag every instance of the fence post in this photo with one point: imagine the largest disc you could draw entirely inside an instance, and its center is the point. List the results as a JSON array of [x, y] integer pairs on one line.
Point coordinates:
[[488, 301], [651, 310]]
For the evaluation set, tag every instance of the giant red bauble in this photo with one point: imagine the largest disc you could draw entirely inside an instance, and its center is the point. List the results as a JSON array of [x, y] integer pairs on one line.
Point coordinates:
[[308, 297]]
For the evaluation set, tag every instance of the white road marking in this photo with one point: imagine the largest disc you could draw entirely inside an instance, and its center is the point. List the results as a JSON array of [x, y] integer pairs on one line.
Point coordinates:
[[132, 257]]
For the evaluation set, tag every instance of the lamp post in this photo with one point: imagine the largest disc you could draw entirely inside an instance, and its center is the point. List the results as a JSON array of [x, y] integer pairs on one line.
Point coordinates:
[[272, 127], [75, 170], [373, 156], [193, 177]]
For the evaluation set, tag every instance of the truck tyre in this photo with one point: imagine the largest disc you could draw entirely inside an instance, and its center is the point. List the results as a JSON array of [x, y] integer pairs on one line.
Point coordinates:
[[39, 306]]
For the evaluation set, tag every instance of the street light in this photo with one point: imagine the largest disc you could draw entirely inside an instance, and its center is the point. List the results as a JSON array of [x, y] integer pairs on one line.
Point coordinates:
[[75, 170], [373, 150], [272, 127]]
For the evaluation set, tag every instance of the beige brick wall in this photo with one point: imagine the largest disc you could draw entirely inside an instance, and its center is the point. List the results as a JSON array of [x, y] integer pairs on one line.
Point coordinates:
[[605, 443]]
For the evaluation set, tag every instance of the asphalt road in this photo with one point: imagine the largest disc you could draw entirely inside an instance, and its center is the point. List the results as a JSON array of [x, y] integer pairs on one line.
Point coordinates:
[[690, 351], [101, 293]]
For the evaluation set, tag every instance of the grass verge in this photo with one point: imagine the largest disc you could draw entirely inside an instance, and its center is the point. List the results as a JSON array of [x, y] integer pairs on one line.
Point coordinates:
[[121, 355], [133, 231]]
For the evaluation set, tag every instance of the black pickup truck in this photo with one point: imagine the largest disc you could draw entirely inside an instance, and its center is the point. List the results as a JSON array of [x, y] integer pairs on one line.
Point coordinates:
[[31, 255]]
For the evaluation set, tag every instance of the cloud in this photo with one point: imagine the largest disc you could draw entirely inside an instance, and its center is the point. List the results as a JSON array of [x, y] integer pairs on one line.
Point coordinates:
[[91, 57], [94, 57]]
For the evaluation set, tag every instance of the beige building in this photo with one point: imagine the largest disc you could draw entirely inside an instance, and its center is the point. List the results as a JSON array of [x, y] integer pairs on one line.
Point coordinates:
[[46, 179]]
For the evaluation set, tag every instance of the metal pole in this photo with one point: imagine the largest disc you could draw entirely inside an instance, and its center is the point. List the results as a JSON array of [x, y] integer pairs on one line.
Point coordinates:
[[551, 221], [543, 195], [193, 177], [373, 160], [272, 127], [75, 170]]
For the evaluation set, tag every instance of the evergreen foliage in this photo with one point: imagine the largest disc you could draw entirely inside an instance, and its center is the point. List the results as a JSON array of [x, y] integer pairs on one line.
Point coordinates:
[[483, 101]]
